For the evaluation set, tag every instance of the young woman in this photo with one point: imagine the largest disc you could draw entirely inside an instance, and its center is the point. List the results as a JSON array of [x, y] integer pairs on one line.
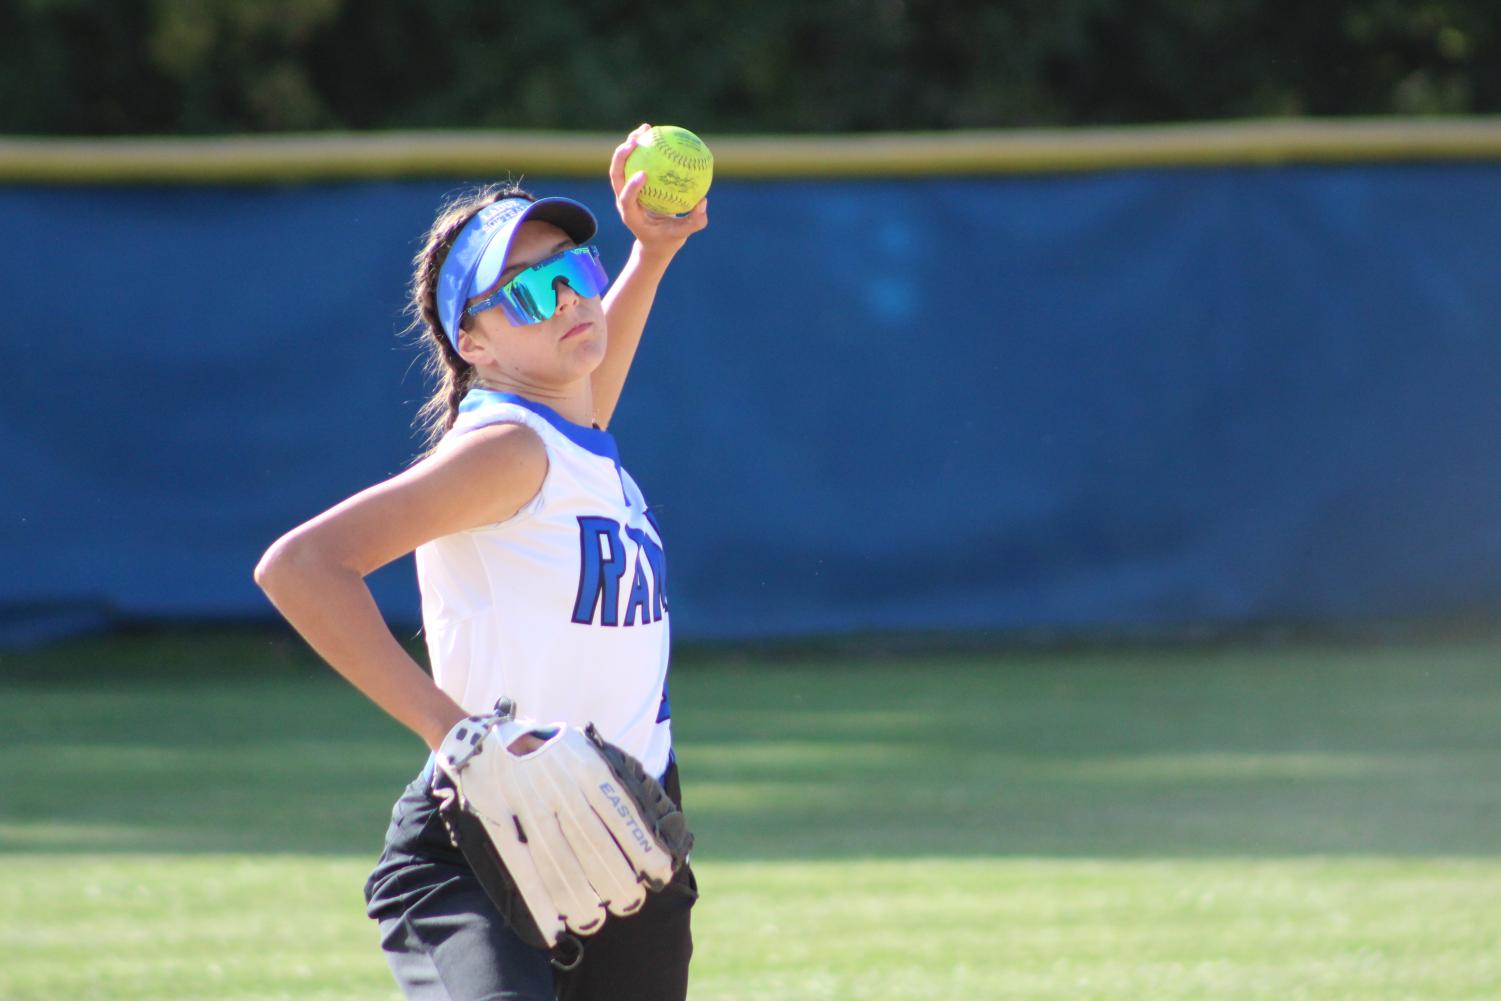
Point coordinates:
[[540, 566]]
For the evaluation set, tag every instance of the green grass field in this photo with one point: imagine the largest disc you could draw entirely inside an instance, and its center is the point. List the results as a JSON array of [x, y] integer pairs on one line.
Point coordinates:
[[192, 816]]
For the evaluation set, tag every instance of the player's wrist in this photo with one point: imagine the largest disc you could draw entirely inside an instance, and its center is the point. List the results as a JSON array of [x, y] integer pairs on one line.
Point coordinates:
[[440, 725], [652, 260], [656, 254]]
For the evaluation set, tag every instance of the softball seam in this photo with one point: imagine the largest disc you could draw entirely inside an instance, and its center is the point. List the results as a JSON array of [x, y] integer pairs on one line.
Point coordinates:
[[667, 197], [680, 158]]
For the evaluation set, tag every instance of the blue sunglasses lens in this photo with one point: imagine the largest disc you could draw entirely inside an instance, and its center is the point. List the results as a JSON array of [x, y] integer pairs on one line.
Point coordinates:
[[532, 296]]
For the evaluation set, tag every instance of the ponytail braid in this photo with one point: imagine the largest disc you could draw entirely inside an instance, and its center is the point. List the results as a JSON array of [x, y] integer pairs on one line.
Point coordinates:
[[452, 375]]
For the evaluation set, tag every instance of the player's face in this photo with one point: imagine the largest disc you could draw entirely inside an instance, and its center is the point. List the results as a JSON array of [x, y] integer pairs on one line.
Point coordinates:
[[564, 348]]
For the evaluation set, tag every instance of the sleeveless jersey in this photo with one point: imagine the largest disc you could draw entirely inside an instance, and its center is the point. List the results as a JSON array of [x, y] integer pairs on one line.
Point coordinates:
[[562, 606]]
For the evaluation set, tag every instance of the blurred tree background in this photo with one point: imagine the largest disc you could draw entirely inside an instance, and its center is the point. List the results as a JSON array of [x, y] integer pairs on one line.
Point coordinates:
[[210, 66]]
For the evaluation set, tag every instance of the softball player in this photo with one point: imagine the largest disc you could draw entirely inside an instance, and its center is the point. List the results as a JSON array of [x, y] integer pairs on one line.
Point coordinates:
[[540, 565]]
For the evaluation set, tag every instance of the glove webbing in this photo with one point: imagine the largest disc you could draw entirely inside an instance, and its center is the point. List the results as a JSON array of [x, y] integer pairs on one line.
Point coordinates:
[[657, 808]]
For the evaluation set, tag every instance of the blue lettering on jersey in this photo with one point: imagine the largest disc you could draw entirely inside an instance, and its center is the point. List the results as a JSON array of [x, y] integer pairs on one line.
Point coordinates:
[[649, 548], [602, 565], [640, 596]]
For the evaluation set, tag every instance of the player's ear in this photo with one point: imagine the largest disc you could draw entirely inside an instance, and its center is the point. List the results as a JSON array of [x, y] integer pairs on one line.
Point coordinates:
[[474, 347]]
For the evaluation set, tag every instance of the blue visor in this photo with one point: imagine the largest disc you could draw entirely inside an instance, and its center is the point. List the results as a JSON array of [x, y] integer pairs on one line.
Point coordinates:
[[478, 254], [532, 296]]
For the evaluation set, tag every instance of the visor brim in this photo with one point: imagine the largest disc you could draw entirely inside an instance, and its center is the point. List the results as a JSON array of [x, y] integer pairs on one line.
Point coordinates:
[[572, 217]]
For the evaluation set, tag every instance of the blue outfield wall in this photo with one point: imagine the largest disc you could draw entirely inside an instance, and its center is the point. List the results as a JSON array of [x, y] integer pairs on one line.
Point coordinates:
[[1123, 400]]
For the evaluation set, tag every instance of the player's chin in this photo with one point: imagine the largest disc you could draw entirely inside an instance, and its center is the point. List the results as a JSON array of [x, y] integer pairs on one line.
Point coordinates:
[[585, 351]]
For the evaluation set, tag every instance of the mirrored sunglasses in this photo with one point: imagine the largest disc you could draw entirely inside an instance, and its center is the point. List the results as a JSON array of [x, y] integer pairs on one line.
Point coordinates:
[[532, 296]]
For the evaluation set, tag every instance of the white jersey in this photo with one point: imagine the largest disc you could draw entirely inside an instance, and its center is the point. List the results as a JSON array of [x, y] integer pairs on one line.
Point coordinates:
[[562, 606]]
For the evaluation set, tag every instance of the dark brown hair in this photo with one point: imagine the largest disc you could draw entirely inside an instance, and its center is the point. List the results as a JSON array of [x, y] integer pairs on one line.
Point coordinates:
[[452, 376]]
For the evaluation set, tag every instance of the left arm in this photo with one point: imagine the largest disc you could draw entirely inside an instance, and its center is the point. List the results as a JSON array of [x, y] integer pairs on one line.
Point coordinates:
[[629, 300]]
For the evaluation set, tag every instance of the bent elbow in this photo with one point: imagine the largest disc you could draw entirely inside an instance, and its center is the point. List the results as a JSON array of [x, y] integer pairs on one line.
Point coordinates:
[[275, 563], [265, 571]]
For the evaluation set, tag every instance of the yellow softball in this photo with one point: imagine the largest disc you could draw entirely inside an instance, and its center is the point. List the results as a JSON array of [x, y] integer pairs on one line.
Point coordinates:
[[678, 169]]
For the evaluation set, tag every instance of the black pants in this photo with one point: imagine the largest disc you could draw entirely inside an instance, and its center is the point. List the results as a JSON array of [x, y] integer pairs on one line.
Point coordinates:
[[445, 940]]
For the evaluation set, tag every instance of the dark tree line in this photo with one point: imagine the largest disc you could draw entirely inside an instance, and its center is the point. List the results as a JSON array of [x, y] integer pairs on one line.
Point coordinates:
[[207, 66]]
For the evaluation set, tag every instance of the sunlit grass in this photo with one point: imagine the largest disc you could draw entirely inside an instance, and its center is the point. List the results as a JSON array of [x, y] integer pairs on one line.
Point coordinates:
[[196, 819], [263, 927]]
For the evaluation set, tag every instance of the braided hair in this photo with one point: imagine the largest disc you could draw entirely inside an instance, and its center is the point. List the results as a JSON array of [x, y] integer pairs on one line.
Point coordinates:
[[452, 375]]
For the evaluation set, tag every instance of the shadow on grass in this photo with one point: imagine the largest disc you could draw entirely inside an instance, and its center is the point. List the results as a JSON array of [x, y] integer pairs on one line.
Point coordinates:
[[240, 742]]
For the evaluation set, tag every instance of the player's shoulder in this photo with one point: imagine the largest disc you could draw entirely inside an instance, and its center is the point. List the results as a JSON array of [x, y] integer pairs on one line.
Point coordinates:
[[495, 453], [503, 442], [484, 475]]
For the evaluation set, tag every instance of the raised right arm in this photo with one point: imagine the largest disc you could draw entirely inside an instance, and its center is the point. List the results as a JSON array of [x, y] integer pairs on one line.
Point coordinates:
[[314, 574]]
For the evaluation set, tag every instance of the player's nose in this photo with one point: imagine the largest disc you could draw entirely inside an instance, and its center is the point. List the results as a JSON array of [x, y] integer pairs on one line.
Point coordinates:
[[566, 295]]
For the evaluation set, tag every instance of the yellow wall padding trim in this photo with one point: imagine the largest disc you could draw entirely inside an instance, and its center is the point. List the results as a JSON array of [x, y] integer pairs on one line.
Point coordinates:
[[342, 156]]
